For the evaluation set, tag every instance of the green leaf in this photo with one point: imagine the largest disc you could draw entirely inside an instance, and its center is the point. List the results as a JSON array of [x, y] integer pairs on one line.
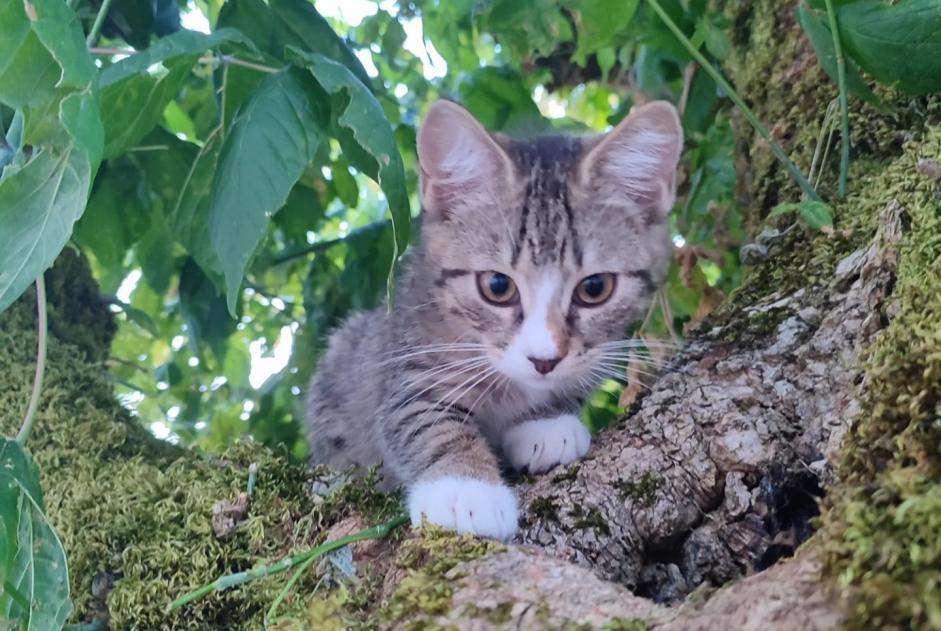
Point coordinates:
[[189, 217], [899, 44], [272, 140], [204, 311], [298, 24], [597, 22], [40, 51], [155, 253], [817, 29], [818, 215], [132, 107], [134, 97], [117, 215], [180, 44], [365, 135], [139, 317], [39, 203], [36, 567]]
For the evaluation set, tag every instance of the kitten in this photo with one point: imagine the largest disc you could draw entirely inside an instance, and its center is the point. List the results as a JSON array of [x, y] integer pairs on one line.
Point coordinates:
[[535, 256]]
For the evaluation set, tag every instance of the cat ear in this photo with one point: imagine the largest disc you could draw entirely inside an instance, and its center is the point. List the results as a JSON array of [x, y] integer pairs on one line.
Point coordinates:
[[638, 159], [461, 163]]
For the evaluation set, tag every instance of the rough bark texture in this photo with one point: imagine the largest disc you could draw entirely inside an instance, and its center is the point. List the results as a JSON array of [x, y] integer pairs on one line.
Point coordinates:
[[718, 472], [712, 479]]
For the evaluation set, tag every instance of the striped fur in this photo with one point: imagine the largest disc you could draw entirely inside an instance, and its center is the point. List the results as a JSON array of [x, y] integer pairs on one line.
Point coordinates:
[[432, 388]]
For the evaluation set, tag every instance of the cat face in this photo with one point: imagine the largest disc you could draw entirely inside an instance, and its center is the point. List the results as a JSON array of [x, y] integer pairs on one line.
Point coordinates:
[[545, 250]]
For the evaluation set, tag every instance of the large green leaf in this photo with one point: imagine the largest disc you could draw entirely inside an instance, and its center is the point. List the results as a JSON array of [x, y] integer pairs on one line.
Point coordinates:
[[815, 25], [133, 97], [899, 44], [298, 24], [47, 73], [35, 563], [273, 138], [132, 107], [39, 204], [364, 132], [189, 217], [181, 43], [597, 22], [40, 51]]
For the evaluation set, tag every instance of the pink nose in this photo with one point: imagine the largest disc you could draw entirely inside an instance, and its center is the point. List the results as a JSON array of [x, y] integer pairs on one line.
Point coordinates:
[[545, 366]]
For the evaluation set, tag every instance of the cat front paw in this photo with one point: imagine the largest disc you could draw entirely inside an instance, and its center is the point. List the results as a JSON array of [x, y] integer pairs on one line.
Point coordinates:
[[542, 444], [469, 506]]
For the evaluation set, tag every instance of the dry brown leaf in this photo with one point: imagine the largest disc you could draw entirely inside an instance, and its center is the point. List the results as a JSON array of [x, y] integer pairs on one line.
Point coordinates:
[[711, 299]]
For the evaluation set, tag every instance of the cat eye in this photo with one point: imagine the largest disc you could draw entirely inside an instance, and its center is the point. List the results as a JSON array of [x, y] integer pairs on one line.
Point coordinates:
[[594, 290], [497, 288]]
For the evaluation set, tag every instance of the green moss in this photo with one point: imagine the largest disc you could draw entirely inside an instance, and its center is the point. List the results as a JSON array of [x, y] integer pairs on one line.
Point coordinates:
[[569, 475], [644, 489], [129, 506], [591, 518], [426, 559], [626, 624], [498, 614], [881, 527], [544, 508]]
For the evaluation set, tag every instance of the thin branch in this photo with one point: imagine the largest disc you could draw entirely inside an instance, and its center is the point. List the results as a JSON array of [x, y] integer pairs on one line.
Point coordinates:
[[748, 113], [30, 417], [224, 60], [99, 21], [844, 104]]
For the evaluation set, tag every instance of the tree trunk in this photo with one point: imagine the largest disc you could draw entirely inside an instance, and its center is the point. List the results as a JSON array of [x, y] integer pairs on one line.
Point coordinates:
[[816, 384]]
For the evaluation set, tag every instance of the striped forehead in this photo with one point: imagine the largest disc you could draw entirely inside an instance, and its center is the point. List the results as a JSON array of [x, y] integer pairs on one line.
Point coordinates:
[[546, 231]]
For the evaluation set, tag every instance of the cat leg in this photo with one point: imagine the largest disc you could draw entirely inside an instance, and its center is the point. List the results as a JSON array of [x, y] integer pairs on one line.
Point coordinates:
[[453, 478], [539, 445]]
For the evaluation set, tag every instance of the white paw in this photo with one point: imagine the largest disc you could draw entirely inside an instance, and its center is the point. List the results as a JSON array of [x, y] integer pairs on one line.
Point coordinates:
[[540, 445], [466, 505]]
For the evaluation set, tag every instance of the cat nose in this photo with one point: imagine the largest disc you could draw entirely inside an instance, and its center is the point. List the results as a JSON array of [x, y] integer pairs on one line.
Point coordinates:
[[544, 366]]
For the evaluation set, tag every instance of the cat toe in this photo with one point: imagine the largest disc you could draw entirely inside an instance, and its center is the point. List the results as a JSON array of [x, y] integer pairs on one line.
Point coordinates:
[[469, 506], [542, 444]]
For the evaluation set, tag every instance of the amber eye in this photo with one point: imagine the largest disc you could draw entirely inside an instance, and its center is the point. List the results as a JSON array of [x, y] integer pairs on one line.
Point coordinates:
[[497, 288], [594, 290]]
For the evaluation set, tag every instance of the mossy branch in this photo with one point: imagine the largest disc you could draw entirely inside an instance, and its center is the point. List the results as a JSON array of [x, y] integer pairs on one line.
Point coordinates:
[[232, 580], [713, 72], [30, 417], [844, 105]]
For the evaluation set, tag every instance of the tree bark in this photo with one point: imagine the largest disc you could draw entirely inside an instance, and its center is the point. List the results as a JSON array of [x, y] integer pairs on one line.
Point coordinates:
[[679, 517]]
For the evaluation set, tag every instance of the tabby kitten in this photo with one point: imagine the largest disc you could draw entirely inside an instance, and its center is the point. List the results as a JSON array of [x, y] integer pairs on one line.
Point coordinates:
[[535, 256]]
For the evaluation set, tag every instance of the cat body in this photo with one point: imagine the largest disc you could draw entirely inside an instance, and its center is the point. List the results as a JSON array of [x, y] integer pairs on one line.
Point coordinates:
[[535, 256]]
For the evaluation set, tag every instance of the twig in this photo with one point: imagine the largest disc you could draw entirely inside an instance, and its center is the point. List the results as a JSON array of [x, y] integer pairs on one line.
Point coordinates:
[[232, 580], [844, 105], [30, 417], [99, 20], [748, 113], [688, 73], [206, 59], [320, 246]]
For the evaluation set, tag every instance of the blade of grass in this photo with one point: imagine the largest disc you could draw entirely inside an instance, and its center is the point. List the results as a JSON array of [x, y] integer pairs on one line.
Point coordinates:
[[844, 105], [232, 580], [746, 111], [273, 609]]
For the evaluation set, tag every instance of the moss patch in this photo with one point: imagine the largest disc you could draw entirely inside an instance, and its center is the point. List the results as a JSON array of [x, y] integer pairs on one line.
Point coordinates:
[[644, 489], [135, 510], [426, 559], [882, 527]]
